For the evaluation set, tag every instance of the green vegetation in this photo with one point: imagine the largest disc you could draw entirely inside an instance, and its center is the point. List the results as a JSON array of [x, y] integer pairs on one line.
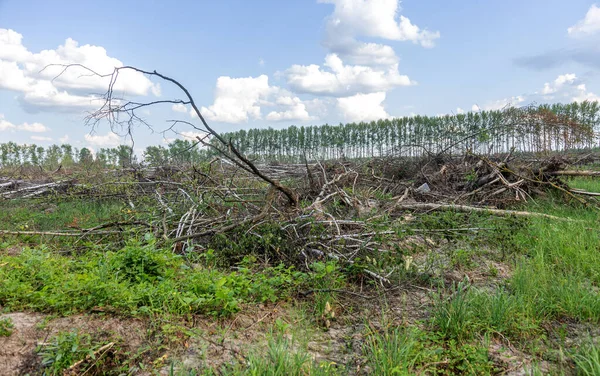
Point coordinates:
[[406, 351], [461, 285], [6, 327], [64, 350], [587, 360], [137, 279]]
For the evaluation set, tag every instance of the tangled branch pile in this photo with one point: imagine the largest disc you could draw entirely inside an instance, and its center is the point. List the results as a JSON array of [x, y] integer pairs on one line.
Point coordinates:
[[342, 209]]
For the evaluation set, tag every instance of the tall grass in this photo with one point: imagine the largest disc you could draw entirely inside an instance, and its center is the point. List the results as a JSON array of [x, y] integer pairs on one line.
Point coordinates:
[[587, 360]]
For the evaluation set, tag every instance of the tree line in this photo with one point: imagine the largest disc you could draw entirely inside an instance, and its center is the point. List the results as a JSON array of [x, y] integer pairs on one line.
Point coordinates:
[[53, 156], [543, 128]]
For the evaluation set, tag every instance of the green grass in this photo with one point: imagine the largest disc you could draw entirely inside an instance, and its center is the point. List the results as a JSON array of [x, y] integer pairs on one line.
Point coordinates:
[[410, 351], [471, 312], [32, 215], [282, 357], [590, 184], [560, 271], [587, 360]]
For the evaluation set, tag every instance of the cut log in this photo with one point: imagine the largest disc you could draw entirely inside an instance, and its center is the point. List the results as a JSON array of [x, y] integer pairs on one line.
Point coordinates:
[[585, 193], [475, 209], [575, 173]]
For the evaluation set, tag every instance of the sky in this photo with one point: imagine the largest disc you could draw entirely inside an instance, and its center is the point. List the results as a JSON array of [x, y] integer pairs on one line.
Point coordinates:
[[269, 63]]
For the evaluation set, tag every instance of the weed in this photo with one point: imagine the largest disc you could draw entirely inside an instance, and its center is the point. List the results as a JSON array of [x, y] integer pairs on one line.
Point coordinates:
[[6, 327], [64, 350], [462, 258], [408, 351], [587, 360], [452, 317], [396, 351]]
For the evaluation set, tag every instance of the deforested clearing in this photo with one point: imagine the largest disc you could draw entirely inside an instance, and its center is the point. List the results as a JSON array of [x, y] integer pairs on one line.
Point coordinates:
[[303, 188], [455, 258]]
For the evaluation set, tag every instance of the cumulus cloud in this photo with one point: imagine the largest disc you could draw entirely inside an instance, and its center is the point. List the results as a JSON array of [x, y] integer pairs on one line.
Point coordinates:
[[33, 127], [356, 69], [108, 140], [582, 94], [568, 87], [375, 18], [363, 107], [589, 25], [64, 139], [564, 88], [337, 79], [5, 125], [460, 110], [559, 82], [355, 75], [296, 110], [238, 100], [34, 74]]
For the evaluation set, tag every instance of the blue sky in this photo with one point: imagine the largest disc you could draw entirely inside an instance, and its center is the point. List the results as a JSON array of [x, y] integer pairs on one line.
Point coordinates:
[[276, 63]]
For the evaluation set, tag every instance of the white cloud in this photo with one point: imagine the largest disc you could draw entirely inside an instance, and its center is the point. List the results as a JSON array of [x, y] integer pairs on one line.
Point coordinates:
[[356, 68], [559, 82], [261, 62], [108, 140], [460, 110], [33, 127], [41, 138], [238, 100], [5, 125], [296, 110], [12, 77], [179, 107], [587, 26], [363, 107], [12, 46], [343, 80], [564, 88], [375, 18], [64, 139], [32, 75], [569, 87], [583, 94], [475, 108]]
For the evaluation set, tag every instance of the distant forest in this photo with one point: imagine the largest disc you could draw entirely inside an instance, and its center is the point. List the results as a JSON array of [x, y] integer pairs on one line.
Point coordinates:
[[543, 128]]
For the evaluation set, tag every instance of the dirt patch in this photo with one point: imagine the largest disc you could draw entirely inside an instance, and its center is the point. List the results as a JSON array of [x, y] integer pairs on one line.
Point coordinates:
[[515, 362], [11, 250], [17, 352], [15, 349]]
